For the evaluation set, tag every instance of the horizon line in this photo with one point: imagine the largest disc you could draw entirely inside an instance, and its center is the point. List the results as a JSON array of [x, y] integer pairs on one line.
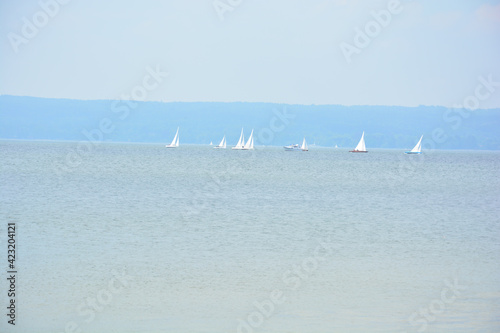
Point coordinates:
[[263, 146], [244, 102]]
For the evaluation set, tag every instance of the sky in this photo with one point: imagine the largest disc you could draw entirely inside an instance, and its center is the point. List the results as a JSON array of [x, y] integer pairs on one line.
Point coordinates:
[[282, 51]]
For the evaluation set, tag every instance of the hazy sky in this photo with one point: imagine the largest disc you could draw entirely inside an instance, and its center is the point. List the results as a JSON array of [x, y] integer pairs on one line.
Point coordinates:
[[288, 51]]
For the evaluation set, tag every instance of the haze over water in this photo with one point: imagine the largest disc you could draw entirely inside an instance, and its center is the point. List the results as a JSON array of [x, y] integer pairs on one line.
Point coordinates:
[[204, 233]]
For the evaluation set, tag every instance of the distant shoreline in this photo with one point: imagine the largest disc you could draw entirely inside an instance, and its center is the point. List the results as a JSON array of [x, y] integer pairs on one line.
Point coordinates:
[[274, 124], [257, 147]]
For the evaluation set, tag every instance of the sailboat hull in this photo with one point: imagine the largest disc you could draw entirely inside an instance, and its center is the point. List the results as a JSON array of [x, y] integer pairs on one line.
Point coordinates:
[[358, 151], [168, 146], [413, 152]]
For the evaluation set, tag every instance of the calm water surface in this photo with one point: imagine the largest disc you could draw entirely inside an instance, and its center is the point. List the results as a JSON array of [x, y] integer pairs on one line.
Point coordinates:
[[201, 238]]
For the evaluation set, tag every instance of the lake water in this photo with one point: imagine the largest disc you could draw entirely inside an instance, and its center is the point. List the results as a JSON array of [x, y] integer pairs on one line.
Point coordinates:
[[140, 238]]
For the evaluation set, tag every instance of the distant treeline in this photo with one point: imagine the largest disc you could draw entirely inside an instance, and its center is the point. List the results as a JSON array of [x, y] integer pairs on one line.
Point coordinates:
[[274, 124]]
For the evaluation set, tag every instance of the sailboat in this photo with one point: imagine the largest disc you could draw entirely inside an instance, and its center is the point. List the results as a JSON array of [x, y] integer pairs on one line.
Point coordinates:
[[211, 144], [175, 141], [360, 148], [249, 144], [241, 142], [304, 145], [417, 149], [222, 144]]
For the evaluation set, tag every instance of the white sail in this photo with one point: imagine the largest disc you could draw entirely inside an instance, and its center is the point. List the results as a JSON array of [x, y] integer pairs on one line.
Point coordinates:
[[418, 146], [361, 145], [175, 141], [304, 145], [241, 141], [222, 143], [249, 144]]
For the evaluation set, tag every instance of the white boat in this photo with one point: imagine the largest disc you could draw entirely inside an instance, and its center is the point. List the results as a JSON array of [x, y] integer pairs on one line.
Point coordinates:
[[175, 141], [294, 147], [417, 149], [336, 146], [249, 144], [241, 142], [304, 145], [297, 147], [222, 144], [211, 144], [360, 148]]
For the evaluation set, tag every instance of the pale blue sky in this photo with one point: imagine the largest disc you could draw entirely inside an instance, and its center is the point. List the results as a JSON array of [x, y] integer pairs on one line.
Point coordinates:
[[284, 51]]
